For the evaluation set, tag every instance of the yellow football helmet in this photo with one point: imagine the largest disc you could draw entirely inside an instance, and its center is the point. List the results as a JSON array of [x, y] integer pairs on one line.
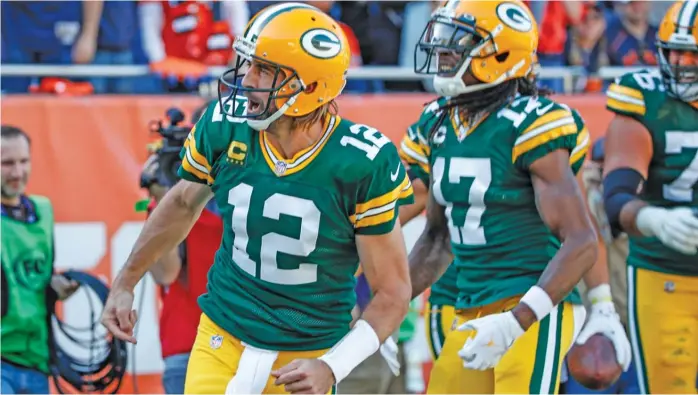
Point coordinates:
[[493, 40], [678, 32], [306, 50]]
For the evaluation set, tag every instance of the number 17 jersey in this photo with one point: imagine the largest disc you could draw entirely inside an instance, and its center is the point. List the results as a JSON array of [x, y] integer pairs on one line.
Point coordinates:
[[283, 277], [481, 176]]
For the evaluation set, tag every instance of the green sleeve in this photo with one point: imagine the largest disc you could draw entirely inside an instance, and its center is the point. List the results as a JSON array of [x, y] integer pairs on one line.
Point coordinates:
[[381, 192], [626, 96], [205, 143], [542, 133]]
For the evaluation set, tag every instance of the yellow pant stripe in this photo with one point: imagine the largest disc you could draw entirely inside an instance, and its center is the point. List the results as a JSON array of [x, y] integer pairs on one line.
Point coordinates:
[[635, 338]]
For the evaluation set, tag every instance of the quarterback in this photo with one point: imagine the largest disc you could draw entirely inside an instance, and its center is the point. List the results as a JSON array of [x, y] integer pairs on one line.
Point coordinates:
[[651, 192], [304, 196], [503, 201]]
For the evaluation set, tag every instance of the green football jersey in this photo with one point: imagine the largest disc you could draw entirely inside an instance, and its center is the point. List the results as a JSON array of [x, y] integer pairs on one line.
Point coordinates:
[[672, 179], [500, 243], [283, 277], [415, 150]]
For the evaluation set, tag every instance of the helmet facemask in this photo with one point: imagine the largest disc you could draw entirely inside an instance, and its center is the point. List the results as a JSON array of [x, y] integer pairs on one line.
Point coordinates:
[[681, 81], [285, 87], [451, 45]]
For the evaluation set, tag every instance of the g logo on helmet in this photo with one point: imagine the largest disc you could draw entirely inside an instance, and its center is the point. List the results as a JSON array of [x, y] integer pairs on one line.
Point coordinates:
[[515, 17], [321, 43]]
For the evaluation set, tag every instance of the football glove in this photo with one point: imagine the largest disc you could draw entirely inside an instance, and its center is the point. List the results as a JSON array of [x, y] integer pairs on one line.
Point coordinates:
[[604, 320], [676, 228], [494, 336]]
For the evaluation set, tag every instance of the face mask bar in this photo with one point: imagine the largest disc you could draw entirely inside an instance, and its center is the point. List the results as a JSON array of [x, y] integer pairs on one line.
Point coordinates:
[[231, 91], [681, 81], [444, 35]]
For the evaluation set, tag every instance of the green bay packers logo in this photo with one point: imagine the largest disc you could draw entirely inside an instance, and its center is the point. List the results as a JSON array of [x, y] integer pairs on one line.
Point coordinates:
[[515, 17], [321, 43]]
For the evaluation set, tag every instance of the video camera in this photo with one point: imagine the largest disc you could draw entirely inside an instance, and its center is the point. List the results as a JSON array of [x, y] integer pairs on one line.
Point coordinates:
[[173, 137]]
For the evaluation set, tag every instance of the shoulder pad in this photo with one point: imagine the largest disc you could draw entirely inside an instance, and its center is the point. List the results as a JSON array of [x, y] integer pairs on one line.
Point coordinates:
[[628, 94]]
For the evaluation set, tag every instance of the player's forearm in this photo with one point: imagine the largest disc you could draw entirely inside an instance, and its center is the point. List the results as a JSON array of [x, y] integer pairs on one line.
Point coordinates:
[[572, 261], [598, 274], [388, 308], [166, 227], [429, 259], [91, 15], [166, 269]]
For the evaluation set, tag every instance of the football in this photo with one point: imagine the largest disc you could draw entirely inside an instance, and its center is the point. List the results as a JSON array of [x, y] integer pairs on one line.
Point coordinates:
[[593, 364]]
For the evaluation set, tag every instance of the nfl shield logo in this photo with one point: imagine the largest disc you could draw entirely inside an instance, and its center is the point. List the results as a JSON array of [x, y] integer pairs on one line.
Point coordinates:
[[280, 167], [216, 341]]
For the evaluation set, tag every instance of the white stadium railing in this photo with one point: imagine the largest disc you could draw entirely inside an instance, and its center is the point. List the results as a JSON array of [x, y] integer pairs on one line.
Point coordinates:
[[387, 73]]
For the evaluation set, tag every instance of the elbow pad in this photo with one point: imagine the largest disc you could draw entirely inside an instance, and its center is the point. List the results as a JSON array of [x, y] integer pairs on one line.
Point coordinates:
[[620, 186]]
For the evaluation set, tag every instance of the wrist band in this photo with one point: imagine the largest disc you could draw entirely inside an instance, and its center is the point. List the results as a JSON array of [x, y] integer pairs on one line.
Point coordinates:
[[539, 301], [360, 343], [600, 294]]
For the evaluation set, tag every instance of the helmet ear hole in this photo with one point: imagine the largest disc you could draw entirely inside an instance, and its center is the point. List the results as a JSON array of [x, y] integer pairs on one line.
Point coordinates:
[[502, 57], [310, 88]]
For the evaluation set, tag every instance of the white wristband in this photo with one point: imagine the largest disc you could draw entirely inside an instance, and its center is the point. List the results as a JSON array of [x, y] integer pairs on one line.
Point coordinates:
[[539, 301], [600, 294], [360, 343]]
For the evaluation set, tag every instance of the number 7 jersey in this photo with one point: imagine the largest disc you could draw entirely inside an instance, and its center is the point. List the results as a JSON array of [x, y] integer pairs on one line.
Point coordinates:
[[481, 176], [283, 277], [672, 178]]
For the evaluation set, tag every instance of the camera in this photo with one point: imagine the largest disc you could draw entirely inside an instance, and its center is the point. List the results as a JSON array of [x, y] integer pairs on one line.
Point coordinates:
[[174, 134]]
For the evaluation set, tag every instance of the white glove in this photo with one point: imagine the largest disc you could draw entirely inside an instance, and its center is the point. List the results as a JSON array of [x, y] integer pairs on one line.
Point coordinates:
[[495, 335], [676, 228], [389, 352], [604, 320]]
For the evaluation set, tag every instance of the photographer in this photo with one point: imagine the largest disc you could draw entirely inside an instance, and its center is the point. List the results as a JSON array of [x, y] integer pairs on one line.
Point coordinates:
[[181, 272]]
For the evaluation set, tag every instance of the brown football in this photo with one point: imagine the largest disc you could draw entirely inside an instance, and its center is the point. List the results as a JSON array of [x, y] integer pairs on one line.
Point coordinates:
[[593, 364]]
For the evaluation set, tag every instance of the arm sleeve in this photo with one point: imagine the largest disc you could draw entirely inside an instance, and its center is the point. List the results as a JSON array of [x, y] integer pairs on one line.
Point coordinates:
[[625, 97], [583, 143], [380, 194], [197, 154], [547, 133], [414, 150]]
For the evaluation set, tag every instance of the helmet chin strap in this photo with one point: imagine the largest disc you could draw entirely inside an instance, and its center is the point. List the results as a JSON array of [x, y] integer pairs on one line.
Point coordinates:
[[454, 86], [262, 124]]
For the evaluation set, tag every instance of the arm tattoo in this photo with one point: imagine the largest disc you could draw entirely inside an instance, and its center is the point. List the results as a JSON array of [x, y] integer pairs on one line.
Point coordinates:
[[431, 255]]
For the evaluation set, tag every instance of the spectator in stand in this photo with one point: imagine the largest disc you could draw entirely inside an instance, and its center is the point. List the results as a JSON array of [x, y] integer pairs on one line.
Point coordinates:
[[111, 45], [43, 32], [588, 46], [182, 38], [558, 18], [630, 38]]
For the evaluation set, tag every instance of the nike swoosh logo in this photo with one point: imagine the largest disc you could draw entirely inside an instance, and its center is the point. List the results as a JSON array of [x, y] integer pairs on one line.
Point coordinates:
[[541, 111], [393, 176]]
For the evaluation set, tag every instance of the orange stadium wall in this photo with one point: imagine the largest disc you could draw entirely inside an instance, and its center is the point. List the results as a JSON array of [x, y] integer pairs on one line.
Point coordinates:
[[87, 157]]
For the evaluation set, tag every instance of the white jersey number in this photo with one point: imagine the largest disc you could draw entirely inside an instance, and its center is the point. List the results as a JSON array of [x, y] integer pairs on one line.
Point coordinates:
[[480, 170], [272, 243], [375, 140], [681, 190]]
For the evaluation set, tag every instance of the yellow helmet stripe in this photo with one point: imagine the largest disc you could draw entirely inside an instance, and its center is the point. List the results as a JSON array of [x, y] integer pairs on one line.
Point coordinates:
[[267, 15], [686, 16]]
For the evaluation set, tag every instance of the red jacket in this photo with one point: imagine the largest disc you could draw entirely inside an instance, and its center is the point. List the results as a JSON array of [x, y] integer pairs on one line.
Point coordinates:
[[180, 314]]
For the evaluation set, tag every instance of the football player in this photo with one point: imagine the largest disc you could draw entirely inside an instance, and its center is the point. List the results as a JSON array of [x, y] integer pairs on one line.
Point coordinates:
[[651, 193], [503, 198], [304, 194]]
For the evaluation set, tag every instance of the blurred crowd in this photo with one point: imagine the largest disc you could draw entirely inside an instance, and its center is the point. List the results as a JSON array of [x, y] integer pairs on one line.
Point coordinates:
[[180, 39]]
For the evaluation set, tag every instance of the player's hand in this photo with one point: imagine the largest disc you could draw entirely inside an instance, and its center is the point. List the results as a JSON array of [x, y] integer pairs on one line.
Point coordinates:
[[604, 320], [305, 376], [118, 316], [389, 351], [495, 335], [676, 228]]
